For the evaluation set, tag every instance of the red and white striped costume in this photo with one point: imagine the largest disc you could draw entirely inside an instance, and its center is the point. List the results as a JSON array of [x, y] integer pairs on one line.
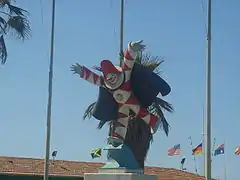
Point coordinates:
[[123, 95]]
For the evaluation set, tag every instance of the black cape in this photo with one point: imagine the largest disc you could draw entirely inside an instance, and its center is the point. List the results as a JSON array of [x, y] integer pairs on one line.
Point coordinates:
[[146, 85]]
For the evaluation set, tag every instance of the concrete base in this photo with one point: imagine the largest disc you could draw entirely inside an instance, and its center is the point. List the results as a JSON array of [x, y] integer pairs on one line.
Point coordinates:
[[118, 176], [105, 170]]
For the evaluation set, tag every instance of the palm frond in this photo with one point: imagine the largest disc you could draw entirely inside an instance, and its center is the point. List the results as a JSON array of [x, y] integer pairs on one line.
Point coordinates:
[[88, 115], [19, 26], [164, 104], [17, 10], [163, 121], [101, 124], [13, 20], [4, 3], [152, 62], [2, 25], [88, 112], [3, 51], [157, 108]]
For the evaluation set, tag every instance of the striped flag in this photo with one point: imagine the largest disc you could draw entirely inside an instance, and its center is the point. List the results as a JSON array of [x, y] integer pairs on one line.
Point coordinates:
[[197, 150], [174, 151], [237, 151]]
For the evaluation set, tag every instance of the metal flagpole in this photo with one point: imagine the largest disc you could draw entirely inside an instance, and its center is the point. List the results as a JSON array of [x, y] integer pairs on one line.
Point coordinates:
[[194, 158], [208, 99], [225, 161], [203, 138], [49, 106], [121, 25]]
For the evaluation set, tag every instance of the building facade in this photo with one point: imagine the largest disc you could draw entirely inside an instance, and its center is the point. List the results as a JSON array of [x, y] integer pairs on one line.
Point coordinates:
[[16, 168]]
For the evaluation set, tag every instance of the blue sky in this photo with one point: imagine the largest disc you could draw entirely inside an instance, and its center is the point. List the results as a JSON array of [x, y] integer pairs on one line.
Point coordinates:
[[87, 31]]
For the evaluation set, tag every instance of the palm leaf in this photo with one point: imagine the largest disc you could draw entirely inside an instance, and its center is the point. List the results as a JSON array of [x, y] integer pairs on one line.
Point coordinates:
[[164, 104], [88, 112], [19, 26], [2, 25], [13, 20], [16, 10], [3, 51], [157, 108], [4, 3], [88, 115], [152, 62]]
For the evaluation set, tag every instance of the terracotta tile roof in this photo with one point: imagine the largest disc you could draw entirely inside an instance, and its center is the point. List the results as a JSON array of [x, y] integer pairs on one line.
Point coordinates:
[[17, 165]]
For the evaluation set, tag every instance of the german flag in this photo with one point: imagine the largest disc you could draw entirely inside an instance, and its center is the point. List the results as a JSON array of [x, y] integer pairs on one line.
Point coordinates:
[[197, 150]]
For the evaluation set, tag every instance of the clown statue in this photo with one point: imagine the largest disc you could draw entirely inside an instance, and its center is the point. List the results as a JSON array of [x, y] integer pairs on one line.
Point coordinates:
[[117, 81], [126, 92]]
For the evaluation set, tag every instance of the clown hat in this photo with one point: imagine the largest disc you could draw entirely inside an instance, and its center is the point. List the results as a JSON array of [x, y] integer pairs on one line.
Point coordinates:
[[107, 67]]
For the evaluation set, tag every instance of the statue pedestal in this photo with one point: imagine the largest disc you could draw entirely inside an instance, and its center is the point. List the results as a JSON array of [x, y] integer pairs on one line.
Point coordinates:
[[119, 174]]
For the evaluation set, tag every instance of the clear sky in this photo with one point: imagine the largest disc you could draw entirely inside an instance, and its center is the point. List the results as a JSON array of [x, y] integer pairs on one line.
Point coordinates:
[[87, 31]]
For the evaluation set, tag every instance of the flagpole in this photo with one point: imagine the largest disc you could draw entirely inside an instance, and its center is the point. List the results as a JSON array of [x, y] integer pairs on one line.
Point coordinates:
[[194, 158], [208, 167], [121, 25], [49, 106], [225, 162], [203, 138]]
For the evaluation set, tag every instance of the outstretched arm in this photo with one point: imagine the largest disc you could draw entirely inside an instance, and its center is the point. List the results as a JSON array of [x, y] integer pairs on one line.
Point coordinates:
[[87, 74], [131, 54]]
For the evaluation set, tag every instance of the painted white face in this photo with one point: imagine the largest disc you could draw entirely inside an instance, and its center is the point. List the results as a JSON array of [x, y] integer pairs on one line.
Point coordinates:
[[112, 78], [114, 81]]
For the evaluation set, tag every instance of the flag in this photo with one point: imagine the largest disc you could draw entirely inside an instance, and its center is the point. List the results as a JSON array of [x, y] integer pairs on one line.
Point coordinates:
[[174, 151], [96, 153], [183, 160], [3, 50], [197, 150], [219, 150], [237, 151], [182, 163], [54, 154]]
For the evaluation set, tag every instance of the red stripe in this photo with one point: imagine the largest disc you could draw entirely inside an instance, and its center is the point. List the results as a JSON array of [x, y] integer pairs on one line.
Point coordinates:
[[127, 55], [132, 100], [116, 135], [95, 78], [126, 86], [153, 120]]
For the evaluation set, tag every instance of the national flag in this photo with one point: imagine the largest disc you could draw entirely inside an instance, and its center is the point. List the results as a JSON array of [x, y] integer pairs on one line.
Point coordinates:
[[182, 163], [54, 154], [96, 153], [237, 151], [3, 50], [174, 151], [219, 150], [197, 150], [183, 160]]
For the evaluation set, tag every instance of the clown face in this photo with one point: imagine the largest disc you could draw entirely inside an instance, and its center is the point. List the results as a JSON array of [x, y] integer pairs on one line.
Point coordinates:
[[114, 81], [112, 78], [113, 75]]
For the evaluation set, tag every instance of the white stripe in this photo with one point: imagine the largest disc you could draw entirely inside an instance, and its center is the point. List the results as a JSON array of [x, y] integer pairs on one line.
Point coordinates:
[[121, 131], [123, 121]]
